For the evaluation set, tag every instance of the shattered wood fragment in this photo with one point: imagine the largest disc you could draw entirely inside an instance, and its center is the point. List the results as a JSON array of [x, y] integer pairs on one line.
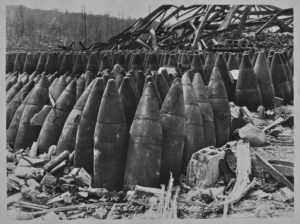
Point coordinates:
[[49, 180], [15, 179], [57, 160], [67, 208], [202, 24], [241, 26], [98, 192], [32, 184], [275, 173], [24, 204], [253, 135], [61, 197], [275, 123], [23, 171], [242, 184], [33, 150], [285, 168], [59, 167], [247, 113], [83, 178], [13, 198]]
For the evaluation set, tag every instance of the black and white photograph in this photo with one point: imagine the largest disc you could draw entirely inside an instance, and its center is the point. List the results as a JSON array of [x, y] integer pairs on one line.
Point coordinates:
[[149, 110]]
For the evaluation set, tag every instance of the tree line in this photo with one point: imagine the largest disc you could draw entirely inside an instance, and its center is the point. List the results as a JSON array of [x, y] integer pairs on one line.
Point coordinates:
[[42, 29]]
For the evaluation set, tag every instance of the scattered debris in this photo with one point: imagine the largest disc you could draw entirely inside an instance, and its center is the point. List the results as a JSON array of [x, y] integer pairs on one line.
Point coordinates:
[[253, 135]]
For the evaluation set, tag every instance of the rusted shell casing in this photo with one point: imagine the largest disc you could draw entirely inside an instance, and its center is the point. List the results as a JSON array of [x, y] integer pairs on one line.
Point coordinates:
[[255, 58], [92, 64], [110, 140], [24, 78], [165, 59], [145, 143], [66, 64], [194, 139], [80, 87], [196, 67], [16, 101], [221, 65], [88, 78], [13, 91], [105, 63], [51, 63], [69, 78], [119, 79], [162, 86], [239, 57], [206, 111], [105, 77], [279, 77], [57, 87], [140, 82], [129, 99], [41, 63], [56, 118], [288, 73], [265, 82], [184, 62], [18, 63], [52, 77], [67, 138], [84, 146], [78, 66], [209, 64], [165, 74], [36, 57], [232, 63], [12, 130], [172, 116], [33, 76], [27, 133], [29, 65], [218, 100], [247, 89], [153, 62], [13, 80], [149, 78], [10, 59]]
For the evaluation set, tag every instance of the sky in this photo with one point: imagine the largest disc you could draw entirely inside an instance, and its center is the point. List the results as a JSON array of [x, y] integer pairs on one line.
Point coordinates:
[[131, 8]]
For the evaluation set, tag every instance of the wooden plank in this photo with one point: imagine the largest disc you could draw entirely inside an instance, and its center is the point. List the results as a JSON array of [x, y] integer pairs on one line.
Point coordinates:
[[13, 198], [202, 24], [274, 172], [284, 170], [268, 23], [230, 14], [57, 160], [243, 20], [276, 122]]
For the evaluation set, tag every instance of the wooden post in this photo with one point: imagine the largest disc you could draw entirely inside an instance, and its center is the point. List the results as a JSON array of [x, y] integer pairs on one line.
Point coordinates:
[[268, 23], [243, 20], [202, 24], [229, 16]]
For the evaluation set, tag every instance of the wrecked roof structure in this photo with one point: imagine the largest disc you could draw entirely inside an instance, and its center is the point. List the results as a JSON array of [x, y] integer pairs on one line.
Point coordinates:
[[170, 26]]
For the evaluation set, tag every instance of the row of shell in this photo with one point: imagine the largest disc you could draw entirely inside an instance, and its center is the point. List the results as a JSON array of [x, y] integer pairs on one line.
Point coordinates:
[[133, 128]]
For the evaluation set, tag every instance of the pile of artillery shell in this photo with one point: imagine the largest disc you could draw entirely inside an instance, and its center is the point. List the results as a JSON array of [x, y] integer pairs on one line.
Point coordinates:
[[133, 122]]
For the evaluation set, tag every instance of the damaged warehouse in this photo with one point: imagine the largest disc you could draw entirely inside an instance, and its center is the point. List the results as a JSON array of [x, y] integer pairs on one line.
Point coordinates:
[[186, 114]]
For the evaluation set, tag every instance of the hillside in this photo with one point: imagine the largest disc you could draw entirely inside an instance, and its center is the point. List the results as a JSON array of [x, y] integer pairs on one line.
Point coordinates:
[[41, 29]]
